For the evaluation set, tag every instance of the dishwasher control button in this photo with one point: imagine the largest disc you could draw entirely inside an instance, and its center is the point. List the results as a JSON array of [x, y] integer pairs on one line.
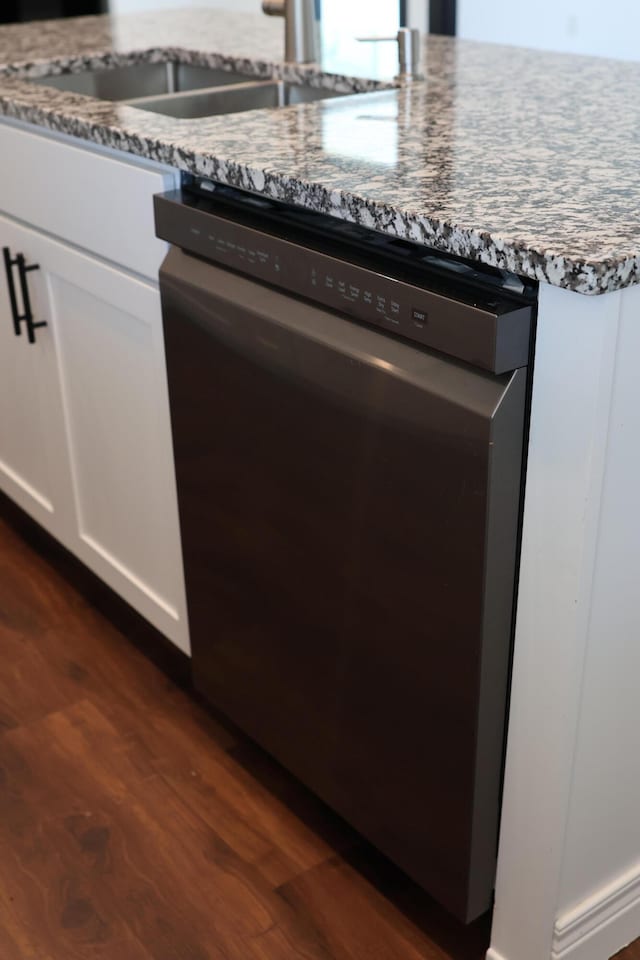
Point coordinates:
[[419, 317]]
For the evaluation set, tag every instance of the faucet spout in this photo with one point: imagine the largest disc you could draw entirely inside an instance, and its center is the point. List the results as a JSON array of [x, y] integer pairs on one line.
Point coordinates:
[[301, 28]]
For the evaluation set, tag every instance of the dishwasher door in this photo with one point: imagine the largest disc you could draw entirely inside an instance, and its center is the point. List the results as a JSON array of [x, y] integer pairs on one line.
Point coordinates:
[[349, 509]]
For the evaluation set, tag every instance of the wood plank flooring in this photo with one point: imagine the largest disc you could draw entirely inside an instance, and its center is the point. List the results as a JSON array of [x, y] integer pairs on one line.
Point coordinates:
[[632, 952], [136, 826]]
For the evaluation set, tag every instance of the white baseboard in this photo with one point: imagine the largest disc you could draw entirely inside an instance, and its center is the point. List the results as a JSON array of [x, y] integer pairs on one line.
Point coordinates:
[[602, 924]]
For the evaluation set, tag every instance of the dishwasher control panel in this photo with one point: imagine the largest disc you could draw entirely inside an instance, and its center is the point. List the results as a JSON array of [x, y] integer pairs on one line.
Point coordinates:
[[492, 332]]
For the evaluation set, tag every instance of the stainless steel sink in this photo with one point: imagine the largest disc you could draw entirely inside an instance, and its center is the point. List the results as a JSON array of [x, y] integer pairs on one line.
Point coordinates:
[[233, 99], [184, 91], [142, 80]]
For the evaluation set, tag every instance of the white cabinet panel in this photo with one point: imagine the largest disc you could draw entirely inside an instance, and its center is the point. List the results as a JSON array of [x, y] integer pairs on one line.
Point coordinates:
[[33, 461], [109, 333]]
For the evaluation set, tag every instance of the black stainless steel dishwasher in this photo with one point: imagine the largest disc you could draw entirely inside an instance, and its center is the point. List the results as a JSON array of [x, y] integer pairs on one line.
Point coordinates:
[[348, 417]]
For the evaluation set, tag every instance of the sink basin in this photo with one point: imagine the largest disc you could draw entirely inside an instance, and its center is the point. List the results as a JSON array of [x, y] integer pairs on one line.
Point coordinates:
[[233, 99], [184, 91], [141, 80]]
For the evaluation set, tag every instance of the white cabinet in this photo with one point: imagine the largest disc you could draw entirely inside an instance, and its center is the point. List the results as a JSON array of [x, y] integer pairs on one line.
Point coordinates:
[[34, 469], [85, 439]]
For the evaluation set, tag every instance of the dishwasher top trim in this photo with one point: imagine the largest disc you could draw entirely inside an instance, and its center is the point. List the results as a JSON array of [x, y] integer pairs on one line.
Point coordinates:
[[404, 289]]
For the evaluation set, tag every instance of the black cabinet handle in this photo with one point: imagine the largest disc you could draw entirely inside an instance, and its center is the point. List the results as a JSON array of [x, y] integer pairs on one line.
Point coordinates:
[[19, 261], [23, 270], [9, 263]]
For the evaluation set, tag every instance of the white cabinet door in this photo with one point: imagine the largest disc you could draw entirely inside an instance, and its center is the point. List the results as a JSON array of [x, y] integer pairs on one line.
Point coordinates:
[[108, 329], [33, 455], [85, 423]]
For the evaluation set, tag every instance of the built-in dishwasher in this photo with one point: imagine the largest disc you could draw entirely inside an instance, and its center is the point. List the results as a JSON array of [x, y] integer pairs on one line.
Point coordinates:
[[348, 415]]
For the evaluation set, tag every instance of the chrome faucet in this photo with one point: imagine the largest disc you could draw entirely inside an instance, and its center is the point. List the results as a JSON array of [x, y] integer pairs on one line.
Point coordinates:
[[408, 40], [301, 28]]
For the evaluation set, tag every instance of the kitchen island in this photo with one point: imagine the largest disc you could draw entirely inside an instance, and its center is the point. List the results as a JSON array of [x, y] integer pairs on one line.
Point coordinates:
[[518, 160]]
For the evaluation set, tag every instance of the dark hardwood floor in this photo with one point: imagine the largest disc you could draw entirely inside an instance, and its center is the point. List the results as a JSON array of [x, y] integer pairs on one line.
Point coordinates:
[[135, 825], [632, 952]]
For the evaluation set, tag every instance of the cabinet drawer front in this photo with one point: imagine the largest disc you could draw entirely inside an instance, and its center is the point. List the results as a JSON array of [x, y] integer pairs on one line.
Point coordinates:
[[93, 200]]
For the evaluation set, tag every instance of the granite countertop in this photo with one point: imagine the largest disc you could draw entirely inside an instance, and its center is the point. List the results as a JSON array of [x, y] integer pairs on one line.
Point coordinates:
[[515, 158]]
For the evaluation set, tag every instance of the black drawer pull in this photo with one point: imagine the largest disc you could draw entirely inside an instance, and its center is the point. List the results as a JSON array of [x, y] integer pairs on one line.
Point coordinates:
[[23, 270], [9, 263]]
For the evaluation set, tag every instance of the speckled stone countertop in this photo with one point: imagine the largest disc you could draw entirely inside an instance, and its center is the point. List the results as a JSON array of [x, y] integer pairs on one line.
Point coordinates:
[[519, 159]]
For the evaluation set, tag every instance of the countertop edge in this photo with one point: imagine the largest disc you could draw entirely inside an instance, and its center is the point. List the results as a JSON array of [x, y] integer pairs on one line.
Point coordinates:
[[579, 276], [63, 114]]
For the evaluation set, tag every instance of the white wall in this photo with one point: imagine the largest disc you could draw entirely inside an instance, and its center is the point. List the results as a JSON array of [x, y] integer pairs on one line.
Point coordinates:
[[610, 29], [417, 10], [367, 13], [343, 21]]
